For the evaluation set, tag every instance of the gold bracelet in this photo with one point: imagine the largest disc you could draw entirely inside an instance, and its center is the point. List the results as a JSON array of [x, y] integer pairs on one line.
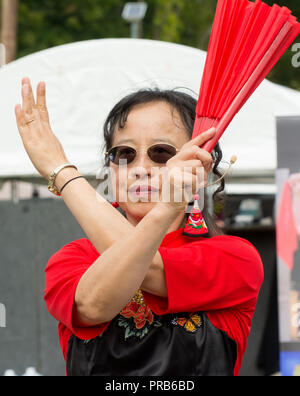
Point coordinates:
[[51, 187]]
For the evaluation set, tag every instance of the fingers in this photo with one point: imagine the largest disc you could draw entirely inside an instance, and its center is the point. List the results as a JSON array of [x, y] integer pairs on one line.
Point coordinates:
[[193, 166], [41, 96], [29, 105], [27, 97], [202, 138], [185, 184], [26, 103], [206, 159], [20, 117], [41, 101], [195, 153]]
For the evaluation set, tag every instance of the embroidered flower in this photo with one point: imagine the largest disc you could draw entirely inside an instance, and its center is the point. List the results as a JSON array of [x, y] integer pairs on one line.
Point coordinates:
[[140, 319], [140, 314]]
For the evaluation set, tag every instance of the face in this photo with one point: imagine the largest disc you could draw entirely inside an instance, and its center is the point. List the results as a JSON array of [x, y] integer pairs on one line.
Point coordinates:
[[147, 125]]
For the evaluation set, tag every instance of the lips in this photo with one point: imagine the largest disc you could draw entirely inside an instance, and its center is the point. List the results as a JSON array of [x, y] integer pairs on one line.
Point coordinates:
[[140, 189]]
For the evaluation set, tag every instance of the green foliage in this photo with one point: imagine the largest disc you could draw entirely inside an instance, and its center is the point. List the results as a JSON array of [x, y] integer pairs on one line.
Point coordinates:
[[48, 23]]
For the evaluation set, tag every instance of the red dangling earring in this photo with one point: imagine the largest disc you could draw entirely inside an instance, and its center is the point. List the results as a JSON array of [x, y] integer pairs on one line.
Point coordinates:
[[196, 226], [115, 205]]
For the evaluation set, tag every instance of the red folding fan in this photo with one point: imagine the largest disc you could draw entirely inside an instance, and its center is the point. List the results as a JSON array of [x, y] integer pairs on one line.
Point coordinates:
[[247, 40]]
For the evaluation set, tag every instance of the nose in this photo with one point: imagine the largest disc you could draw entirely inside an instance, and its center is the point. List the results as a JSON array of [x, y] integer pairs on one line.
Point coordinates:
[[142, 167]]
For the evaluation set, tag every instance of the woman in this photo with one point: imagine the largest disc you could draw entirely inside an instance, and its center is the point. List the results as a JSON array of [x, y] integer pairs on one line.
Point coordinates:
[[138, 297]]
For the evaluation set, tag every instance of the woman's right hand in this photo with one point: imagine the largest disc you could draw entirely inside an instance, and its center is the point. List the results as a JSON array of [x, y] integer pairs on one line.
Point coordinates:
[[42, 146], [188, 171]]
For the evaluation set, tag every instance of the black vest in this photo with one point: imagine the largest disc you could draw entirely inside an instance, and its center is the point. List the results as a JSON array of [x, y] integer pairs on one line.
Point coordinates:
[[168, 345]]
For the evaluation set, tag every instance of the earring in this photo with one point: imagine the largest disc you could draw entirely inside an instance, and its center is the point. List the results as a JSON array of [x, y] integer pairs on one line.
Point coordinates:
[[196, 226], [115, 205]]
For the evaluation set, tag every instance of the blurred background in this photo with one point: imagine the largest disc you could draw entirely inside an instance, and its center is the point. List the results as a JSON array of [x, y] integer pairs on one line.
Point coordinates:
[[157, 42], [48, 23]]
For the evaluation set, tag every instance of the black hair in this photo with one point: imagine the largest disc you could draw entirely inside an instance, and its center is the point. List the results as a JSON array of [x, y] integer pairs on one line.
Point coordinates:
[[185, 105]]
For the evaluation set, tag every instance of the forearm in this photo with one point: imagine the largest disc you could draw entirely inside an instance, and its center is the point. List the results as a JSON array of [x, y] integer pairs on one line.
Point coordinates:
[[111, 282], [104, 225]]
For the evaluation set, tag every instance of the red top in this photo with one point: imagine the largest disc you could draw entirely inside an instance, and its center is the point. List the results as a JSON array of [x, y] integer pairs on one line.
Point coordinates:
[[221, 276]]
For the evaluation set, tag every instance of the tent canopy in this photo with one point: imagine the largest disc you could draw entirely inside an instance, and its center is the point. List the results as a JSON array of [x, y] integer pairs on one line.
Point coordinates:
[[85, 79]]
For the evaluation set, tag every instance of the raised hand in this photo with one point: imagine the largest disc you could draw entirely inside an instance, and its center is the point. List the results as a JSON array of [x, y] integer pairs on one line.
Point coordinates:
[[190, 168], [42, 146]]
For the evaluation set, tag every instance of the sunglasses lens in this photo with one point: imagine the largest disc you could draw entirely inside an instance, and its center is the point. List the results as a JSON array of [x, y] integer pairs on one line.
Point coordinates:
[[122, 155], [162, 153]]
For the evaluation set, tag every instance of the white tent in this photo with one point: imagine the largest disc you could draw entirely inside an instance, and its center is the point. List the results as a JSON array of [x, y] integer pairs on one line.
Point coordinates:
[[85, 79]]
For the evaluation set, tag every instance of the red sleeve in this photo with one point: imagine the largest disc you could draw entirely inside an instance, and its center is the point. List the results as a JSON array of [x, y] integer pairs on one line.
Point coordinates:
[[208, 275], [63, 272]]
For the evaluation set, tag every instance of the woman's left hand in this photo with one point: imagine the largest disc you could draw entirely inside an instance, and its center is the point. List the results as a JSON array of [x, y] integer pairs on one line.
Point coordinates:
[[42, 146], [189, 169]]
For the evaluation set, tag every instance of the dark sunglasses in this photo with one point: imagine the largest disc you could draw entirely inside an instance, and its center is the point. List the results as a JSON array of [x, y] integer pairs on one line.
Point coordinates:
[[125, 155]]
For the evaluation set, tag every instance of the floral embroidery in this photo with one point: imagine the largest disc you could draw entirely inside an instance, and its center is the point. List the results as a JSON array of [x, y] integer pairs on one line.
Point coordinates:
[[191, 324], [137, 319]]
